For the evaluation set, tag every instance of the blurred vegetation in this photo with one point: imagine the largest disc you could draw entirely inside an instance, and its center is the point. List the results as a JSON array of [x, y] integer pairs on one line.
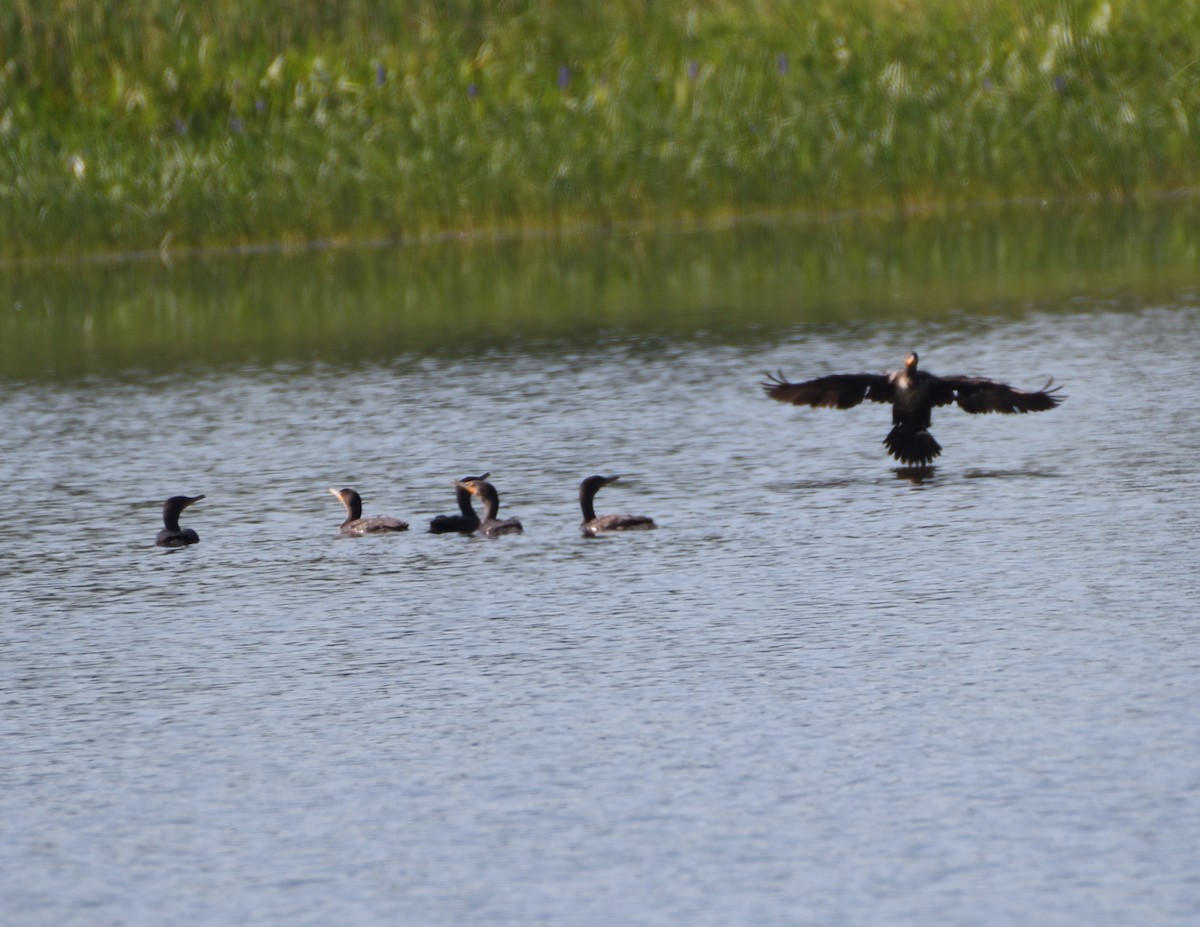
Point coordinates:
[[168, 124]]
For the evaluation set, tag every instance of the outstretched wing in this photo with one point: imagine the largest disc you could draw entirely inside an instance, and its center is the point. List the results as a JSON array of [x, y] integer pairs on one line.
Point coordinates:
[[979, 395], [837, 391]]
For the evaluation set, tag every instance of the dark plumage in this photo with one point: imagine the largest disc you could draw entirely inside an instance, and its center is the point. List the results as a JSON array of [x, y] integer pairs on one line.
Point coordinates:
[[355, 525], [172, 535], [913, 394], [592, 525], [490, 526], [465, 522]]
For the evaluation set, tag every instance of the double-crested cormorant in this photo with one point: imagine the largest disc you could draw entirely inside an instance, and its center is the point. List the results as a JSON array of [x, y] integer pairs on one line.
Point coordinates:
[[355, 525], [465, 523], [913, 394], [172, 535], [592, 525], [491, 526]]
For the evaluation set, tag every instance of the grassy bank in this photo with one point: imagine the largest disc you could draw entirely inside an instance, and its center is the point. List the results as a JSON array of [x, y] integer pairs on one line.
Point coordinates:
[[131, 126]]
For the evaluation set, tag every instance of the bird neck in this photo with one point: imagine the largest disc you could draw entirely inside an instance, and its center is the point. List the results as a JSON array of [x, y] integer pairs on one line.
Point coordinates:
[[171, 517], [491, 503], [587, 495], [464, 503]]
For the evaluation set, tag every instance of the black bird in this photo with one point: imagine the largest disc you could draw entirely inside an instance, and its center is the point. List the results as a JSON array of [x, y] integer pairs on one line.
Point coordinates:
[[172, 535], [464, 523], [491, 526], [913, 394], [592, 525], [355, 525]]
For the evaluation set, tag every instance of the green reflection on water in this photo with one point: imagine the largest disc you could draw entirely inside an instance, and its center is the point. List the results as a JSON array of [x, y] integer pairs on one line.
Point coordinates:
[[736, 285]]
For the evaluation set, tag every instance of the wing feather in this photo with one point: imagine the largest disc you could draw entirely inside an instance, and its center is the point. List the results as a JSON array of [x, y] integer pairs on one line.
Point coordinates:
[[981, 396], [837, 391]]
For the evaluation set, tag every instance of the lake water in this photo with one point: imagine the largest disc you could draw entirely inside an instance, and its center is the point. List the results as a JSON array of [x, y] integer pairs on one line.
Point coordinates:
[[822, 693]]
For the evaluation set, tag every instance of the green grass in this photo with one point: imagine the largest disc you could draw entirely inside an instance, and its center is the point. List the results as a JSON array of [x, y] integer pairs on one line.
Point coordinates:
[[137, 126]]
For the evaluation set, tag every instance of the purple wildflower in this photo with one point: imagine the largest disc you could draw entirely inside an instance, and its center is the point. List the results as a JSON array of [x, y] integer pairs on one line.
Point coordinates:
[[782, 65], [564, 76], [693, 69], [380, 75], [236, 125], [472, 91]]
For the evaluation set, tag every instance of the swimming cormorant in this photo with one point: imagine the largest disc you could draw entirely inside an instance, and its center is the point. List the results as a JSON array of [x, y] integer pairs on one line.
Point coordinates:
[[172, 535], [491, 526], [913, 394], [592, 525], [355, 525], [464, 523]]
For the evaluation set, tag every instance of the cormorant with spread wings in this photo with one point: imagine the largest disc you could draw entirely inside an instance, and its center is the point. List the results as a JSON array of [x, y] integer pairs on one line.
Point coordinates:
[[913, 394]]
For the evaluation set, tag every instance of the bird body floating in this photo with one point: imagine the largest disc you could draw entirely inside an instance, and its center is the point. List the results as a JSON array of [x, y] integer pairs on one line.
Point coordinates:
[[913, 394], [593, 525], [467, 520], [171, 534], [357, 526], [491, 526]]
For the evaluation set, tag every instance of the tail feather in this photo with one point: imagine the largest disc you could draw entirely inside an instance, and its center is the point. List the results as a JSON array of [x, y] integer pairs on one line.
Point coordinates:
[[914, 446]]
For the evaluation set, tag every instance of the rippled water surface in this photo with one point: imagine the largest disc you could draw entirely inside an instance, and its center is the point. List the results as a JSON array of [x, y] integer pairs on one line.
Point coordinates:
[[822, 693]]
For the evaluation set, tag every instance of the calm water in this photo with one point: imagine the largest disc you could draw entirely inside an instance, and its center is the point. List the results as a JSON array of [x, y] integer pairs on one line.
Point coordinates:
[[821, 694]]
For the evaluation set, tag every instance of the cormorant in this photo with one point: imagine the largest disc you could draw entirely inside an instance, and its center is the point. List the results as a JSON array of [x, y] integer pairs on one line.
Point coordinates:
[[592, 525], [172, 535], [913, 394], [464, 523], [491, 526], [355, 525]]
